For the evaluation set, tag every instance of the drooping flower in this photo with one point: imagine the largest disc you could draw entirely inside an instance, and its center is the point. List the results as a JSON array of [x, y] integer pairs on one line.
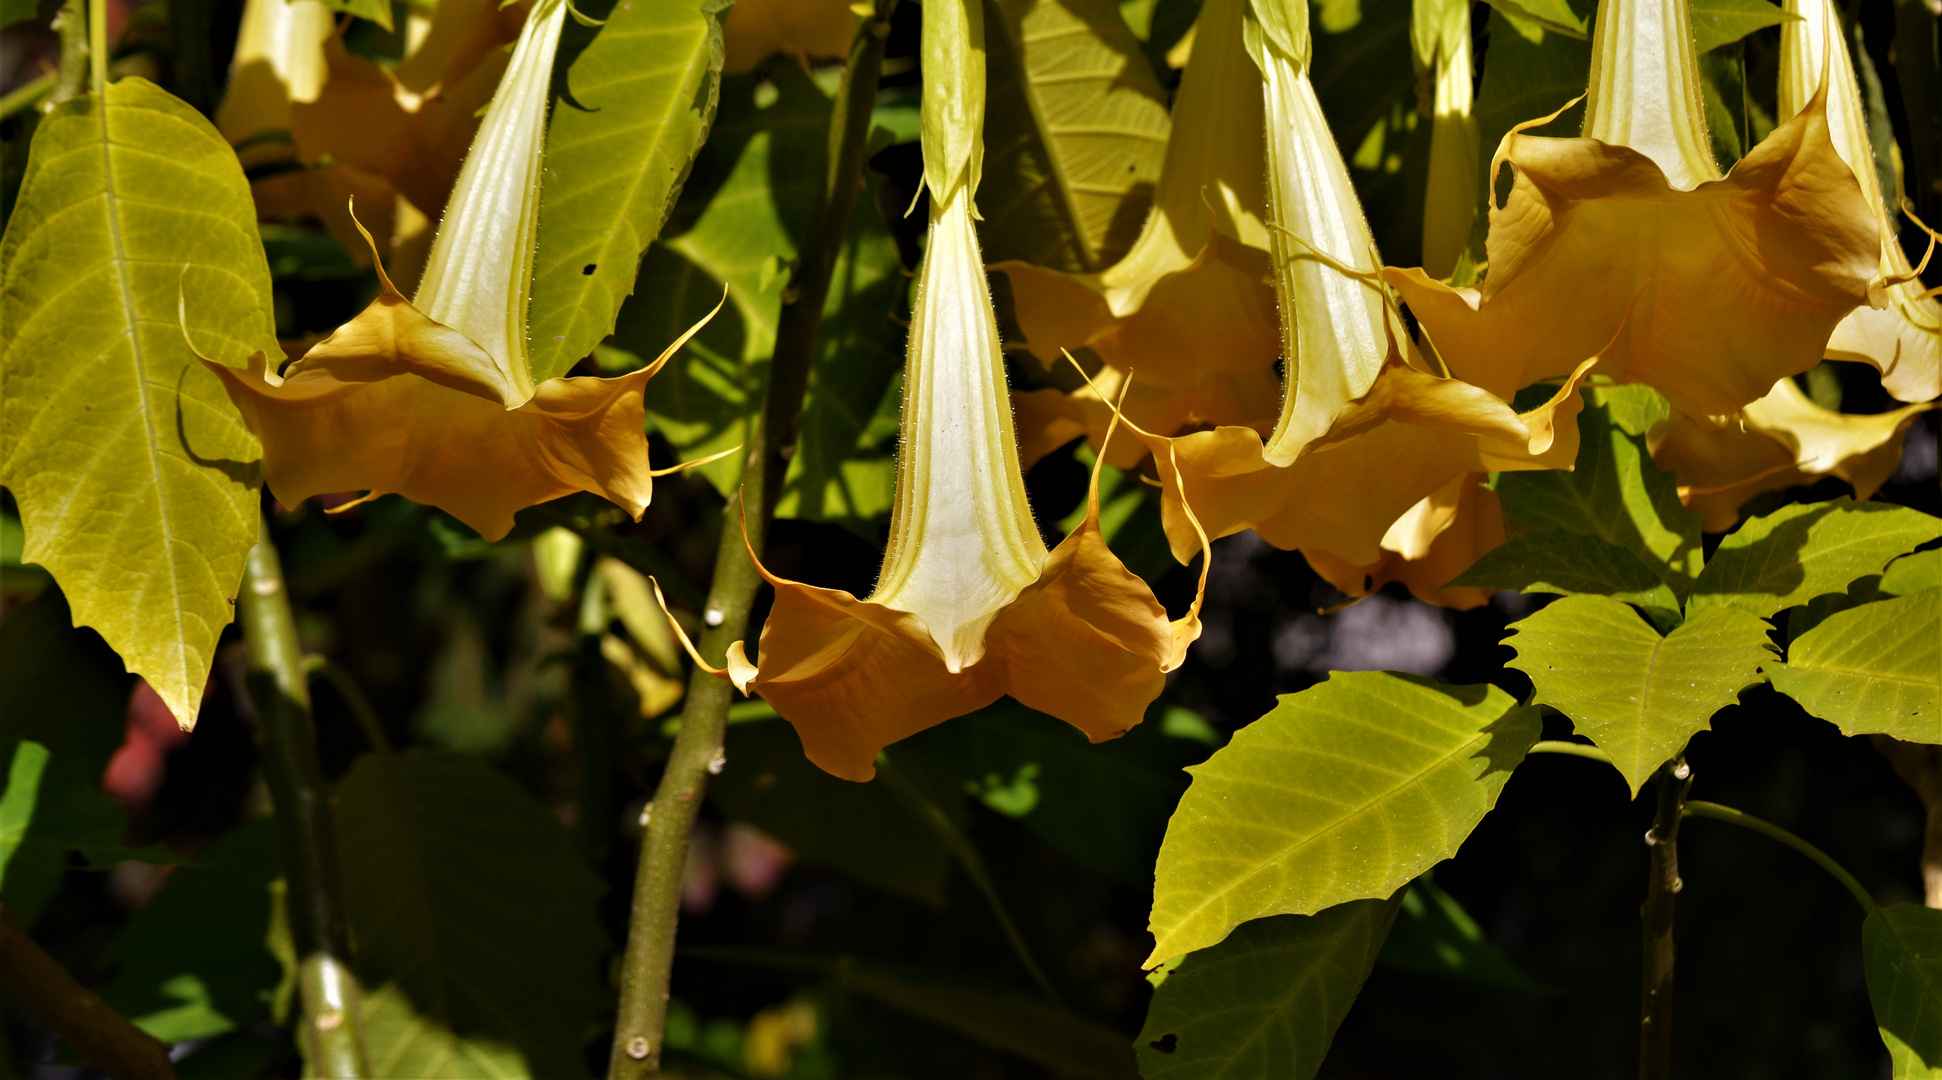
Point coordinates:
[[1904, 339], [279, 61], [1731, 284], [1190, 307], [1439, 36], [434, 399], [1780, 441], [969, 605]]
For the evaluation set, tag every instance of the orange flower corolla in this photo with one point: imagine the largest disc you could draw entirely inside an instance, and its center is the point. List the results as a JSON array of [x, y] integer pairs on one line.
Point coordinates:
[[1782, 440], [969, 606], [1429, 546], [803, 29], [1731, 283], [435, 400], [1190, 307], [1904, 339]]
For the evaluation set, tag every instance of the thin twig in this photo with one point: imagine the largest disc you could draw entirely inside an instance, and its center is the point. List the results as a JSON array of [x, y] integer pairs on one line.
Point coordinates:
[[697, 752], [332, 1030], [1572, 749], [354, 697], [75, 1013], [1655, 997], [27, 94], [1701, 809]]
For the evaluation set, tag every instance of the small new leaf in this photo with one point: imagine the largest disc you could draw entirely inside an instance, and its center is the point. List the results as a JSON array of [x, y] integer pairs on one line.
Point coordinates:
[[1638, 695], [1345, 791]]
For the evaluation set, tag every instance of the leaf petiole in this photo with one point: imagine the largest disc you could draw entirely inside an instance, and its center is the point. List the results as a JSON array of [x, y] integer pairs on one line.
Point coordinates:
[[1698, 808]]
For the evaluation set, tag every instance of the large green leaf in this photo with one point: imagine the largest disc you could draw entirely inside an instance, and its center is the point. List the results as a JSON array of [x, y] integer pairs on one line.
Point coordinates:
[[1105, 805], [475, 921], [736, 229], [1569, 564], [1722, 22], [195, 961], [1027, 1026], [1552, 16], [863, 830], [636, 98], [1615, 493], [1912, 573], [1344, 792], [1638, 695], [1872, 669], [49, 807], [1265, 1002], [1806, 550], [135, 476], [1076, 125], [1901, 951], [60, 686]]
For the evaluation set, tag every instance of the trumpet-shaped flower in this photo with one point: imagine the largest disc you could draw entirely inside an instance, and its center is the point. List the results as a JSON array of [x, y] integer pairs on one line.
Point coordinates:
[[1439, 35], [1190, 307], [969, 605], [1782, 440], [279, 61], [435, 400], [1904, 339], [1730, 283]]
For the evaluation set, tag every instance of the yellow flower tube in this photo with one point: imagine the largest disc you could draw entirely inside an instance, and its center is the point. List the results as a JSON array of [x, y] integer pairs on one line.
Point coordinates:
[[434, 400], [1903, 340], [1190, 307], [1716, 287], [969, 605], [1439, 35], [279, 61]]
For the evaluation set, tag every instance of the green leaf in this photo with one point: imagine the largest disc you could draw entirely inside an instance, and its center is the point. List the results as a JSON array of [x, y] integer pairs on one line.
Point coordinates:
[[1434, 934], [1105, 805], [1806, 550], [1554, 16], [52, 806], [1076, 126], [1027, 1026], [1568, 564], [378, 11], [1527, 74], [863, 830], [1343, 792], [13, 11], [1872, 669], [195, 960], [1901, 952], [1365, 79], [1912, 573], [1616, 494], [135, 476], [1265, 1002], [1638, 695], [736, 228], [60, 686], [636, 98], [475, 921], [1722, 22]]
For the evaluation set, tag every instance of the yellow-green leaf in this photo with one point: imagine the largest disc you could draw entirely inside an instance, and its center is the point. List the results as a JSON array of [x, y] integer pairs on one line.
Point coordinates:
[[136, 478], [1636, 694], [1901, 952], [1075, 128], [1807, 550], [1345, 791], [1872, 669], [635, 106]]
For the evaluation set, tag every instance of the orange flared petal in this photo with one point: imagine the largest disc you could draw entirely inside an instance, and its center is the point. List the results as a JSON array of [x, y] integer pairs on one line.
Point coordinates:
[[1437, 540]]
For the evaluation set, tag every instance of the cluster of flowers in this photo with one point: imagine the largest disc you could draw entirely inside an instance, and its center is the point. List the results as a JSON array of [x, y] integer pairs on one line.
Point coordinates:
[[1623, 253]]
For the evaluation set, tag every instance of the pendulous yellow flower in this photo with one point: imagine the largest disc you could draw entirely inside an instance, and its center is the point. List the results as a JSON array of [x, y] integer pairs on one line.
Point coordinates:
[[1904, 339], [1731, 283], [1190, 307], [969, 605], [435, 400], [279, 61], [1782, 440]]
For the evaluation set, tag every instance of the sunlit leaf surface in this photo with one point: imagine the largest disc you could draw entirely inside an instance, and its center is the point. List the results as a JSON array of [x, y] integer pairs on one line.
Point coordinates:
[[1873, 668], [1901, 949]]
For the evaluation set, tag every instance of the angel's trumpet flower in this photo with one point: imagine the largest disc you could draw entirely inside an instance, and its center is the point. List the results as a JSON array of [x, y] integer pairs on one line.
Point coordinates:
[[1904, 339], [1731, 284], [1439, 35], [1190, 306], [969, 606], [279, 61], [434, 400], [1779, 441]]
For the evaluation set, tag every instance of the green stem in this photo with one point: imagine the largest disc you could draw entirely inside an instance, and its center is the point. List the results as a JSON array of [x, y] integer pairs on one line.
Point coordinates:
[[27, 94], [72, 78], [97, 46], [967, 857], [1572, 749], [75, 1013], [1697, 808], [697, 751], [332, 1027], [1655, 997], [354, 698]]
